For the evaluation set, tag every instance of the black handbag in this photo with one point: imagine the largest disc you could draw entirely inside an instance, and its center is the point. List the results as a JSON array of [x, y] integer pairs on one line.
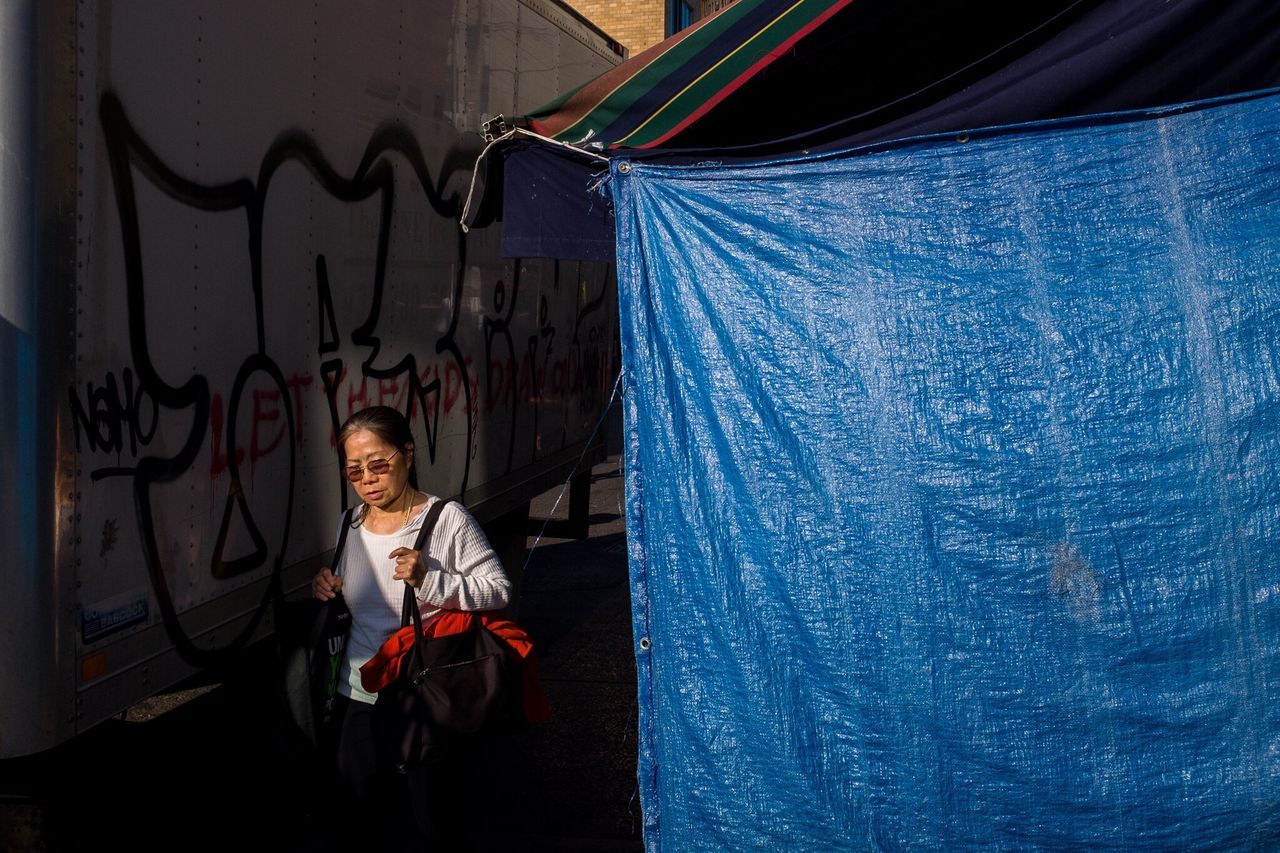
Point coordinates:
[[314, 635], [449, 688]]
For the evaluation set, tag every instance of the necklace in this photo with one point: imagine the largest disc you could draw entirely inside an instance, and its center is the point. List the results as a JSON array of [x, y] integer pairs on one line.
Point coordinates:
[[408, 506]]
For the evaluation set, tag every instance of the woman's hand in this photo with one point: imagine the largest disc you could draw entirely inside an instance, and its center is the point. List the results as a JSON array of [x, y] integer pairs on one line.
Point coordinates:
[[409, 567], [325, 585]]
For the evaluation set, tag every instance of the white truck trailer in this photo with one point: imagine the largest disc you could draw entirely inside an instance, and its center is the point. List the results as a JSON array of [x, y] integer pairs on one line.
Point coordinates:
[[224, 226]]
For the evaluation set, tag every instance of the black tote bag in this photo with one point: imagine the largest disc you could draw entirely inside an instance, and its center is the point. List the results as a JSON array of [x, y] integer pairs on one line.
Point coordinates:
[[449, 688], [314, 639]]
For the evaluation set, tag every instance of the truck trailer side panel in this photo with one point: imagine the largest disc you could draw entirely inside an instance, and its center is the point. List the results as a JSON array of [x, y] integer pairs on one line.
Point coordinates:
[[265, 240]]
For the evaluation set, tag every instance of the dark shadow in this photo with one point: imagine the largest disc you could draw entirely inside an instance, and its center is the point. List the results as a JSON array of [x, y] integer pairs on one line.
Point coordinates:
[[569, 585], [563, 528]]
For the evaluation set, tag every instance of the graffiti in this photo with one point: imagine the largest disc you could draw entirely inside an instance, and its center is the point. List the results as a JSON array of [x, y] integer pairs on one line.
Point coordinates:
[[592, 374], [359, 392], [545, 335], [543, 370], [260, 386], [297, 384], [499, 328], [259, 419], [113, 415]]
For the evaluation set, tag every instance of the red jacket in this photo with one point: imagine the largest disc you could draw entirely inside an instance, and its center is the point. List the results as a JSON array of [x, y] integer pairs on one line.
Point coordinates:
[[384, 667]]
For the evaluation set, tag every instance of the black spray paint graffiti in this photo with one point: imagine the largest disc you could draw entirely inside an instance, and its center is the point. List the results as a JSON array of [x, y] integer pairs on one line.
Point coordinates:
[[546, 333], [500, 326], [592, 358], [111, 415], [127, 152]]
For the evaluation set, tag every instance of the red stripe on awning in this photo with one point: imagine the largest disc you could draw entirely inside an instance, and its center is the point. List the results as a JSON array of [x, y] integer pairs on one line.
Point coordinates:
[[746, 75]]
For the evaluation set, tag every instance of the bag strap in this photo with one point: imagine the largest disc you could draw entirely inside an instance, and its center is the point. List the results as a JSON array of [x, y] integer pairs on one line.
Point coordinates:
[[344, 527], [410, 609]]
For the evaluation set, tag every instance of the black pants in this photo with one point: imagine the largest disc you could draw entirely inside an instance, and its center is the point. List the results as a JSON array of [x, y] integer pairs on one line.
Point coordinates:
[[385, 809]]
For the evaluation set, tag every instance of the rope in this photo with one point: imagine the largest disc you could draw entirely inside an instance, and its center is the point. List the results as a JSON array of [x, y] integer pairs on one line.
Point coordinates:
[[608, 407]]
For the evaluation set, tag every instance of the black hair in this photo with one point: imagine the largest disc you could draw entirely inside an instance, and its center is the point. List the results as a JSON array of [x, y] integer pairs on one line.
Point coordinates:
[[387, 424], [383, 421]]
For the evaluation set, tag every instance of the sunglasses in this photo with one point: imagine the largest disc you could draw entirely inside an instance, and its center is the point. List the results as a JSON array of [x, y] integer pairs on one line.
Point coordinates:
[[375, 466]]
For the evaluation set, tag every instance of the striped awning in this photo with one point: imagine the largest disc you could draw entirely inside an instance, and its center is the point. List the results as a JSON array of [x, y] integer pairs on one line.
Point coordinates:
[[768, 78], [651, 97]]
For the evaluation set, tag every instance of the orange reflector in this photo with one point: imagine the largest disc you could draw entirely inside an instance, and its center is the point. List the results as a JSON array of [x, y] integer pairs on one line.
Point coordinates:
[[94, 666]]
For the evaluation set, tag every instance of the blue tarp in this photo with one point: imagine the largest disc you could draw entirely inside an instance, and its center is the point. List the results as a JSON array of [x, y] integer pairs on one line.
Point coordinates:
[[954, 489]]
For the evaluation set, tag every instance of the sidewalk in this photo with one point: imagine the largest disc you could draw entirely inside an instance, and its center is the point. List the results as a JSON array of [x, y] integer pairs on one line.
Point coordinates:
[[573, 777]]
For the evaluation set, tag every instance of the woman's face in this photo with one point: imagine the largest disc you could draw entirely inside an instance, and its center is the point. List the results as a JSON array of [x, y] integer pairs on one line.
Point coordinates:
[[384, 490]]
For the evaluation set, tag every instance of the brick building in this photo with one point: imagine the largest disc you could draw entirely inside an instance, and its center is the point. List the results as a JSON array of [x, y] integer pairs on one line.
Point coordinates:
[[638, 24]]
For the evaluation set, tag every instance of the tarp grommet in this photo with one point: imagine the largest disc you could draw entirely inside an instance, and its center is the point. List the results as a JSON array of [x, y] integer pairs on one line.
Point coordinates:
[[962, 138], [624, 167], [644, 644]]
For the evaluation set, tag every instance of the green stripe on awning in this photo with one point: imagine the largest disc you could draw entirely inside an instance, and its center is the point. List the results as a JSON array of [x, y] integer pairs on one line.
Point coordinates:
[[649, 74], [722, 76]]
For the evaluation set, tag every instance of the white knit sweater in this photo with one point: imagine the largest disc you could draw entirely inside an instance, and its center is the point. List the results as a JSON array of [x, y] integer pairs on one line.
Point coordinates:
[[463, 573]]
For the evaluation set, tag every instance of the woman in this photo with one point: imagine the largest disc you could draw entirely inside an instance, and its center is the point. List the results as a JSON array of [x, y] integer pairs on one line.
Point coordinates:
[[458, 571]]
